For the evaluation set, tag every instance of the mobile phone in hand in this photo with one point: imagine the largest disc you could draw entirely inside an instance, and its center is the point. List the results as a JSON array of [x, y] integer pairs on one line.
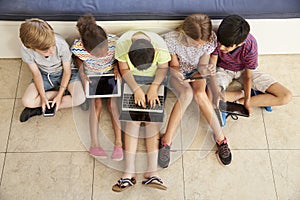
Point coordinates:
[[50, 112]]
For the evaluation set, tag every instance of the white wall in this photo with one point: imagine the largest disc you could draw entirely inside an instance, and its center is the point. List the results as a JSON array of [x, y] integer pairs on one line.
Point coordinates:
[[274, 36]]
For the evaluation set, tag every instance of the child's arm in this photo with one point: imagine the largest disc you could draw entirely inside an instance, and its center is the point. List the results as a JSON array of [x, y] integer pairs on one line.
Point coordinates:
[[175, 68], [83, 76], [247, 88], [39, 84], [64, 83], [160, 75], [139, 95], [213, 82]]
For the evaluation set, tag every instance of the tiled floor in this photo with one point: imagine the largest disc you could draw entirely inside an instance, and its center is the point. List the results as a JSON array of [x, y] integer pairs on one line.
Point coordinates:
[[46, 158]]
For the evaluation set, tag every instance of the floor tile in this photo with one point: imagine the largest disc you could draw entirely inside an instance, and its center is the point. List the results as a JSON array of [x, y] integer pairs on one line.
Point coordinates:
[[25, 79], [286, 165], [282, 126], [6, 107], [9, 74], [284, 68], [40, 133], [242, 179], [238, 133], [105, 178], [46, 176]]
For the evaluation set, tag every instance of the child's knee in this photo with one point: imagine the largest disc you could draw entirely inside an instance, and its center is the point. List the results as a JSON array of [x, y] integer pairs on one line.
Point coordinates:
[[286, 97], [186, 96], [98, 104], [27, 102]]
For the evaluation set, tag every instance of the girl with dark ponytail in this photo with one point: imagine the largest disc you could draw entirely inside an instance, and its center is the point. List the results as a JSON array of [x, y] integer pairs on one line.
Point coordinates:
[[95, 54]]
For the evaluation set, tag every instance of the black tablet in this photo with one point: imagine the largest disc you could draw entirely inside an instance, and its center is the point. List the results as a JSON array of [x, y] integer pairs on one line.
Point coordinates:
[[233, 108], [102, 86]]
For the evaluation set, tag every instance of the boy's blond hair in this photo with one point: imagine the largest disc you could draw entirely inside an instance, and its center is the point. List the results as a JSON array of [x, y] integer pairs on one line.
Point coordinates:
[[37, 34]]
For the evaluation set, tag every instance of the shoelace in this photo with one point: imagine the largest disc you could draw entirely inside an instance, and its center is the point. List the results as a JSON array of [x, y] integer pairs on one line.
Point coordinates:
[[224, 150], [233, 116]]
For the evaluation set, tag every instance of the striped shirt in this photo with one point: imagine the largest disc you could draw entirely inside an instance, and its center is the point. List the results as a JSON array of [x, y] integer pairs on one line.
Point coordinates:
[[94, 64], [241, 58]]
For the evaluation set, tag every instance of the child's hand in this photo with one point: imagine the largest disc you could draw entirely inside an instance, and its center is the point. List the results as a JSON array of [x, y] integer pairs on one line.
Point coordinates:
[[139, 97], [179, 76], [212, 69], [152, 96], [45, 103], [206, 70], [57, 101], [117, 74]]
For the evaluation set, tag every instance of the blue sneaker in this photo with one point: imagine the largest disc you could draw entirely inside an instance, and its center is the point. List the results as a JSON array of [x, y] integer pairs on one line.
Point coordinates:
[[224, 117], [256, 92]]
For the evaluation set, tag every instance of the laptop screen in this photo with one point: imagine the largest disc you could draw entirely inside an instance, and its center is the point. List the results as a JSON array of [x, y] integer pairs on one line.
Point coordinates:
[[103, 86]]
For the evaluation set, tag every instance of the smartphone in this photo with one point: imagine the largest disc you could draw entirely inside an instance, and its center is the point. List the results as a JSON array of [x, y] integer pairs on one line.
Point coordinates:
[[233, 108], [50, 112]]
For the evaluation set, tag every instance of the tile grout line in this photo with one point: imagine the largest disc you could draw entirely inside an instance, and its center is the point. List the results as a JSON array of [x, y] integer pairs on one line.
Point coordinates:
[[182, 163], [272, 170], [93, 179], [10, 126]]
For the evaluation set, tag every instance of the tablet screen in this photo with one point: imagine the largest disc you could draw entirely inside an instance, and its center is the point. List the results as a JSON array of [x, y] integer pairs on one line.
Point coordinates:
[[102, 86]]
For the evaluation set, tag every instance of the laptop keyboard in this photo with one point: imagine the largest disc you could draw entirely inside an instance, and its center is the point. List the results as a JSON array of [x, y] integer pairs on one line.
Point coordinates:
[[128, 104]]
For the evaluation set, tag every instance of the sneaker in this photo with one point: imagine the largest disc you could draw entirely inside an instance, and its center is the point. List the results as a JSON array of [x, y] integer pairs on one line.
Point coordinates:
[[164, 154], [30, 112], [117, 154], [224, 116], [224, 154], [85, 105], [97, 152], [256, 92]]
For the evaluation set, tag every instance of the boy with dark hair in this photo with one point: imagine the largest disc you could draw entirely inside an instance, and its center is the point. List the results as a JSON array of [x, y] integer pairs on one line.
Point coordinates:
[[143, 58], [236, 58]]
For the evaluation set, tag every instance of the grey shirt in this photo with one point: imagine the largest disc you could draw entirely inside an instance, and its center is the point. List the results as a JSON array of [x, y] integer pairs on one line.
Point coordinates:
[[53, 63]]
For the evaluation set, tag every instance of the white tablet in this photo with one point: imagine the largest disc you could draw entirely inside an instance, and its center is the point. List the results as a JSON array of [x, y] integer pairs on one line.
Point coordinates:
[[103, 86]]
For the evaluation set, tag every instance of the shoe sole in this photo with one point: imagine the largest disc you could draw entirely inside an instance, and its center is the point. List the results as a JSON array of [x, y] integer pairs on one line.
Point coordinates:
[[100, 157], [117, 159]]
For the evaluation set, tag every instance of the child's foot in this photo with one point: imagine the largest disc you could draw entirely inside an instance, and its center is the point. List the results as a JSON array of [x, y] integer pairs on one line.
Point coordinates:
[[30, 112], [85, 105], [97, 152], [256, 92], [224, 153], [117, 154], [164, 154]]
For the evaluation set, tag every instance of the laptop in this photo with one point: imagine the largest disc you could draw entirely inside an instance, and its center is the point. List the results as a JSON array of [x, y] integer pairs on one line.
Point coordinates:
[[103, 86], [132, 112]]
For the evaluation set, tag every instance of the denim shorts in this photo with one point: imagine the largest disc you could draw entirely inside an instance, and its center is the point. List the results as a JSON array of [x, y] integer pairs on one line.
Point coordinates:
[[189, 74], [53, 80]]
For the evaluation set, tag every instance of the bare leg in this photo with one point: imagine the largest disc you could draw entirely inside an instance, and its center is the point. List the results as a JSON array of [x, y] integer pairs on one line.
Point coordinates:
[[96, 107], [185, 97], [152, 139], [31, 97], [207, 108], [275, 95], [131, 141], [77, 95], [114, 114]]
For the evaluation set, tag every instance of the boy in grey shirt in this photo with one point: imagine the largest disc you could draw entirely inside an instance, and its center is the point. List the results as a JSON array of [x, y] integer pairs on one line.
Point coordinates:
[[49, 59]]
